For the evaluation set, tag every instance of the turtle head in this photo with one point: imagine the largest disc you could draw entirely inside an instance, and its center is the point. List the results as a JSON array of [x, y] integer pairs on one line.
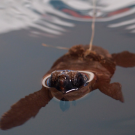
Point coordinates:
[[66, 80]]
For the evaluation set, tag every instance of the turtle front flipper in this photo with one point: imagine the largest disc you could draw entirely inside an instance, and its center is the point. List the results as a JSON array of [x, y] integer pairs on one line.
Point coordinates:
[[124, 59], [25, 108], [113, 90]]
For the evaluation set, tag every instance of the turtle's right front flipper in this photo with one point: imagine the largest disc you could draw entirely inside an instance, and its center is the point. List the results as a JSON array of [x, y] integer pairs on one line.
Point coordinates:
[[124, 59], [25, 108]]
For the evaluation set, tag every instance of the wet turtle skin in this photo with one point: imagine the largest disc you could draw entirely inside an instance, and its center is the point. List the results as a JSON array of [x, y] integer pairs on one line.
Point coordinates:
[[98, 61], [75, 69]]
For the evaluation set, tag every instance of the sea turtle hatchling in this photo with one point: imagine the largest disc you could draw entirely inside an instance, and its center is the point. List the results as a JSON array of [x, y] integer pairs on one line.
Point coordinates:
[[71, 77]]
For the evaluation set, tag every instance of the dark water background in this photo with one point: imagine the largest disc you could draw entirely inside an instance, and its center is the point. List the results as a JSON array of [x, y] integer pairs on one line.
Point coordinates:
[[24, 61]]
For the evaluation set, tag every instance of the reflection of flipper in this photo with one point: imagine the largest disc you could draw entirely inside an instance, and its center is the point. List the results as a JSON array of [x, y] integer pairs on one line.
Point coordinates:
[[124, 59], [64, 105], [113, 90], [25, 108], [74, 103]]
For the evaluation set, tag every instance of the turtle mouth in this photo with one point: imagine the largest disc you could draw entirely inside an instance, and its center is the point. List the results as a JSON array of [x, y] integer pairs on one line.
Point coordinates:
[[71, 90], [70, 84]]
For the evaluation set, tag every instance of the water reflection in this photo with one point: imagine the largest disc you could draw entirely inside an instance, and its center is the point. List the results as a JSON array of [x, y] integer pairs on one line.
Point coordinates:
[[97, 62], [64, 105], [49, 17]]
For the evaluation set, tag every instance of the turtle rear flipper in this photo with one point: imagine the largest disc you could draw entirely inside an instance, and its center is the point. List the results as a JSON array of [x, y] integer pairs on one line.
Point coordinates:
[[124, 59], [113, 90]]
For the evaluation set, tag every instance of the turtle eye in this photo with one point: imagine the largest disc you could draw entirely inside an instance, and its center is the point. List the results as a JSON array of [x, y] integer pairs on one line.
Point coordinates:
[[79, 80]]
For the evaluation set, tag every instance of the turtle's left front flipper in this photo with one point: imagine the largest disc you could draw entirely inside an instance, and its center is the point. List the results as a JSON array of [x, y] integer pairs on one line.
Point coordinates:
[[124, 59], [113, 90]]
